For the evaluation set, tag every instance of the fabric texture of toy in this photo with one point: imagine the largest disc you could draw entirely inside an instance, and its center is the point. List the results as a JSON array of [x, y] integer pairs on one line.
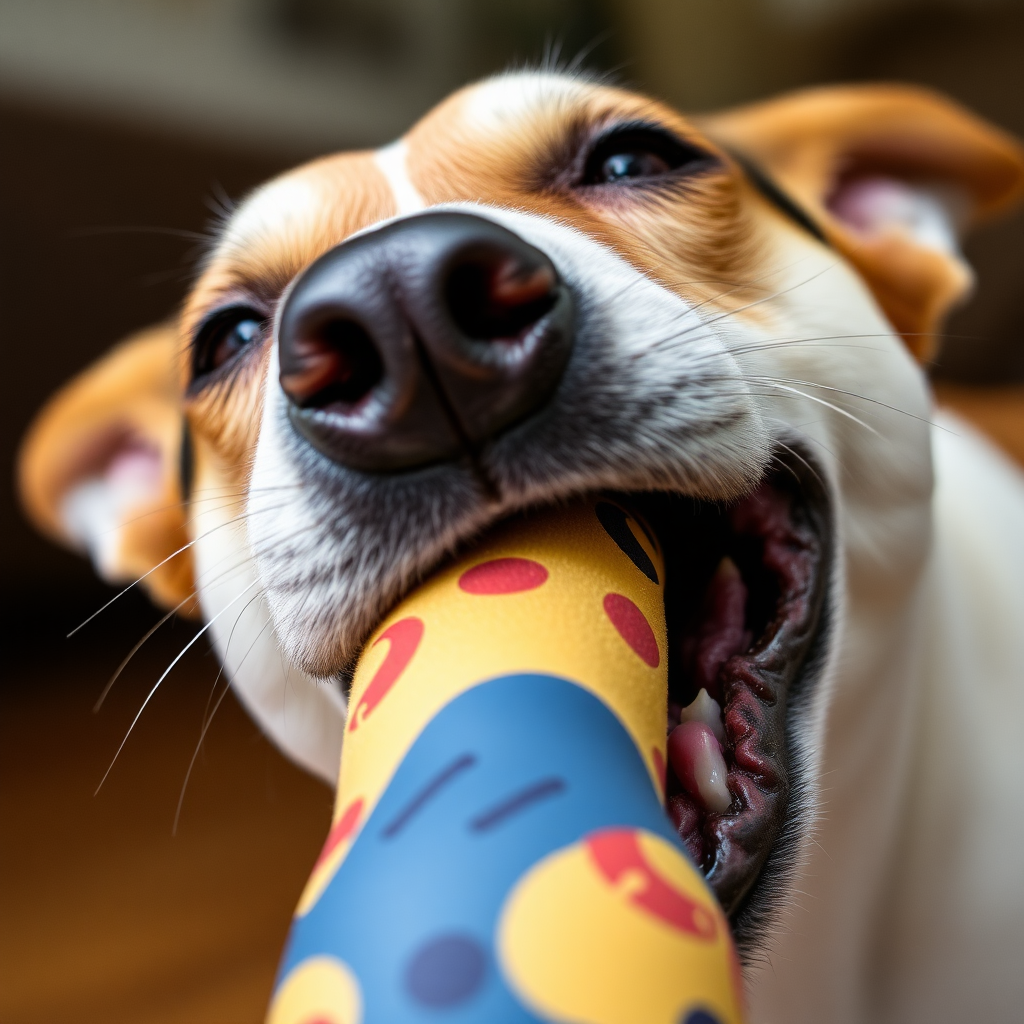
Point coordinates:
[[500, 849]]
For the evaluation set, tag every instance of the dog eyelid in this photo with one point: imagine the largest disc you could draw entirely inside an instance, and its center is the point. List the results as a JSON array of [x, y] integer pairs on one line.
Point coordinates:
[[222, 337], [639, 152]]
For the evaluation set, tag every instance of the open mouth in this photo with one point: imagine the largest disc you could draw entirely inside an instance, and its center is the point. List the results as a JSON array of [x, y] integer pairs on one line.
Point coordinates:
[[746, 588], [745, 606]]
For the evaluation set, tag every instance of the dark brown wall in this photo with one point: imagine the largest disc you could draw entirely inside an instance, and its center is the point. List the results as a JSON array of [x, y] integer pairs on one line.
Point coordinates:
[[90, 221]]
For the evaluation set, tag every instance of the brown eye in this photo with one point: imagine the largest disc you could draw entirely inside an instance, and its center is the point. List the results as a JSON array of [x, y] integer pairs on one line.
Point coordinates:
[[224, 336], [632, 165], [640, 154]]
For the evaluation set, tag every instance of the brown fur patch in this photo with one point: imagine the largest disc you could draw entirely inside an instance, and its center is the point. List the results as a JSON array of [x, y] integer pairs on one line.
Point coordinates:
[[264, 247]]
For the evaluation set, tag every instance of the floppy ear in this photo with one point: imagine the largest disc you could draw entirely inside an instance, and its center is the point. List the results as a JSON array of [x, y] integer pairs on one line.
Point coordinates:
[[893, 175], [99, 469]]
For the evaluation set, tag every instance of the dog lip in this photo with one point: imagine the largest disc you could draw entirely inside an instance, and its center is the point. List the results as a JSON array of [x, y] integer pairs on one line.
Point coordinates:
[[786, 519]]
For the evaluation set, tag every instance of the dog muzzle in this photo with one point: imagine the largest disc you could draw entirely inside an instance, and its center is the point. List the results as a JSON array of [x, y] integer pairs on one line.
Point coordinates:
[[500, 850]]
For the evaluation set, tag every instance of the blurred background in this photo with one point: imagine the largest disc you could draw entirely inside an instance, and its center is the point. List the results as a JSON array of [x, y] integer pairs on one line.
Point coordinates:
[[124, 124]]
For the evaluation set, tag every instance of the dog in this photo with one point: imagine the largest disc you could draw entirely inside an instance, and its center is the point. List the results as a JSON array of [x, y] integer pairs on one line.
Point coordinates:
[[551, 286]]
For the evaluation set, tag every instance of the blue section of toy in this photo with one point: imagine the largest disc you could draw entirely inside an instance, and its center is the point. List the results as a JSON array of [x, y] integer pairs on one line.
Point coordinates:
[[506, 773]]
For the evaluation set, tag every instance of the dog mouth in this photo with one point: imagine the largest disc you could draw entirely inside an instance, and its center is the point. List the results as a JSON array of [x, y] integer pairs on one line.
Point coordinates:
[[745, 604], [746, 588]]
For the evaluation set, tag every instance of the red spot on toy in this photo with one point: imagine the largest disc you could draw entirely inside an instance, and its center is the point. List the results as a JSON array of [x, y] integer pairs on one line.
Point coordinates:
[[341, 830], [618, 854], [633, 627], [503, 576], [659, 766], [403, 637]]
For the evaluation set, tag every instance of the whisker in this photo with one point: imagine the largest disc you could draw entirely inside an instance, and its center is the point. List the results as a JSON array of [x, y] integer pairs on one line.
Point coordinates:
[[173, 554], [131, 654], [812, 440], [139, 229], [675, 337], [769, 298], [227, 648], [194, 499], [208, 720], [193, 595], [821, 401], [780, 342], [195, 753], [750, 283], [163, 676], [797, 455], [853, 394]]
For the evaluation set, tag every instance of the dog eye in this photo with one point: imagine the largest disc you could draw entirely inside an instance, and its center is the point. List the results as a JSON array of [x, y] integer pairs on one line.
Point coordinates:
[[640, 154], [223, 336]]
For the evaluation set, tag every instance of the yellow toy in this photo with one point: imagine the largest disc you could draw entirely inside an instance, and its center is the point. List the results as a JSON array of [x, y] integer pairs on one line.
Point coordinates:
[[500, 850]]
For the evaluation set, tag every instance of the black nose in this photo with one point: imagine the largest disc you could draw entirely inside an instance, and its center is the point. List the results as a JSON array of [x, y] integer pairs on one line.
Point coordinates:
[[419, 341]]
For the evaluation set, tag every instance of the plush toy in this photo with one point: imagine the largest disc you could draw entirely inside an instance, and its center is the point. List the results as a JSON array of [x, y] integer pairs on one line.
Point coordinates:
[[500, 849]]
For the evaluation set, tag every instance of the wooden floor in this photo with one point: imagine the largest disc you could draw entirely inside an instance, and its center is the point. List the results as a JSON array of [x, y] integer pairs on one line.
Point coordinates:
[[104, 915], [107, 917]]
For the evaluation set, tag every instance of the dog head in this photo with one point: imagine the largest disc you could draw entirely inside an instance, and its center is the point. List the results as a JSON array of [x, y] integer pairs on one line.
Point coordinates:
[[552, 287]]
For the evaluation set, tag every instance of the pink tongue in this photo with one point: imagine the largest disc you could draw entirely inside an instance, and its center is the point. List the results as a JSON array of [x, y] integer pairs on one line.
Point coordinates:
[[696, 758], [720, 633]]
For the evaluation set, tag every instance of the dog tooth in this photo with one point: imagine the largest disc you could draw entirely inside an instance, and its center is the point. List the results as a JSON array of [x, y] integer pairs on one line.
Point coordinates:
[[721, 633], [697, 760], [704, 708]]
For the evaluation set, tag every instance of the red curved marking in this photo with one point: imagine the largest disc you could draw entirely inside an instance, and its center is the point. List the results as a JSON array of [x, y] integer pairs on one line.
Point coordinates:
[[659, 767], [404, 637], [341, 830], [617, 851], [503, 576], [633, 627]]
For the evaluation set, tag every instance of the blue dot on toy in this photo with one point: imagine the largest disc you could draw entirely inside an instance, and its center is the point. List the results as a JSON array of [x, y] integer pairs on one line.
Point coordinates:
[[446, 971]]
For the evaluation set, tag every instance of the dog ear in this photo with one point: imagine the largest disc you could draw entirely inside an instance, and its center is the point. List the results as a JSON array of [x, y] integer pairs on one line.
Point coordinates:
[[99, 469], [893, 175]]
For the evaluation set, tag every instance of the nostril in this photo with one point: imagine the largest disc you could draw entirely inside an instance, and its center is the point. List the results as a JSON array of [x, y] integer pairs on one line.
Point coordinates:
[[494, 296], [335, 362]]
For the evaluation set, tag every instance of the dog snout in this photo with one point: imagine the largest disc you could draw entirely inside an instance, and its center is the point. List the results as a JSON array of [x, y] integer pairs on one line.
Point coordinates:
[[417, 342]]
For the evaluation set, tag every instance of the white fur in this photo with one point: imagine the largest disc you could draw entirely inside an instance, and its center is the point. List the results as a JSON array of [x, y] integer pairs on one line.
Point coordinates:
[[391, 161], [94, 511], [911, 906], [495, 105], [270, 212], [304, 717], [953, 926]]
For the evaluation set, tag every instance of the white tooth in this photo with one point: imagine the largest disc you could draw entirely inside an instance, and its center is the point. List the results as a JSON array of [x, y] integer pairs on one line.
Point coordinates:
[[704, 708], [709, 772]]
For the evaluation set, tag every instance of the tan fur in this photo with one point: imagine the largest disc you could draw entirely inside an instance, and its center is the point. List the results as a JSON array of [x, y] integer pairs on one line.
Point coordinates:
[[131, 393], [701, 240], [812, 140]]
